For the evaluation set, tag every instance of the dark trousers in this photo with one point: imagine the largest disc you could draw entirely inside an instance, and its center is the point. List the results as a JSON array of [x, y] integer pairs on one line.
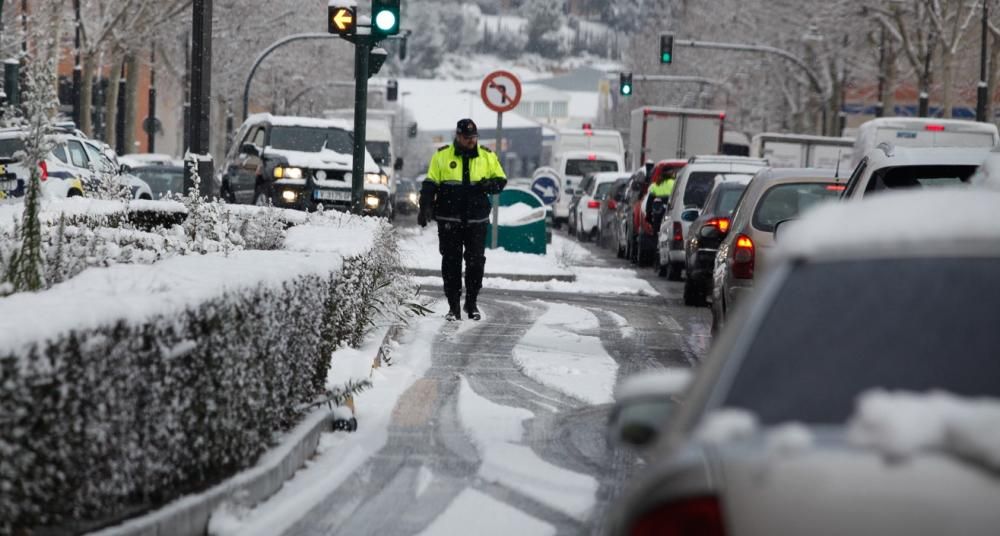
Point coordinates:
[[458, 241]]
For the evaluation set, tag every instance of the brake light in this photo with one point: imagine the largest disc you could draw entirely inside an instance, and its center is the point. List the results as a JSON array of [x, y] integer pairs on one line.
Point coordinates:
[[587, 126], [44, 166], [592, 157], [593, 204], [678, 232], [700, 516], [836, 187], [722, 116], [935, 128], [743, 258], [721, 224], [612, 205]]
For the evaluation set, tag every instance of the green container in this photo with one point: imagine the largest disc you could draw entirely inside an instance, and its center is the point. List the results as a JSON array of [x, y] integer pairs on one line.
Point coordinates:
[[524, 231]]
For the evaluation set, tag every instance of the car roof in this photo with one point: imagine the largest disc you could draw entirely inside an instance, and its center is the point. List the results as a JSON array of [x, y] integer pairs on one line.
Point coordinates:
[[295, 121], [920, 122], [779, 174], [886, 155], [896, 223], [610, 176], [724, 159]]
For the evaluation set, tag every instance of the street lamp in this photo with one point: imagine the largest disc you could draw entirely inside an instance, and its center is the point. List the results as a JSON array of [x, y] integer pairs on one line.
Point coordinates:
[[982, 94]]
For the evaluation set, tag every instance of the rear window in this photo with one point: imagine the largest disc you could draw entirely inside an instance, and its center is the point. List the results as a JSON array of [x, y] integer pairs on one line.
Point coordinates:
[[838, 329], [699, 185], [787, 201], [579, 168], [903, 177], [728, 199], [9, 146], [603, 189]]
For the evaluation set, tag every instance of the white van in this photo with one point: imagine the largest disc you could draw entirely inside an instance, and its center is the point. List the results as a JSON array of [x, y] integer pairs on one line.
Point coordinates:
[[922, 132], [588, 140], [571, 167], [804, 151]]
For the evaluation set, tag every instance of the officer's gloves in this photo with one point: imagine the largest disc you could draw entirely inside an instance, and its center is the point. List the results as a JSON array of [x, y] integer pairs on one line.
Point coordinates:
[[493, 186], [426, 215]]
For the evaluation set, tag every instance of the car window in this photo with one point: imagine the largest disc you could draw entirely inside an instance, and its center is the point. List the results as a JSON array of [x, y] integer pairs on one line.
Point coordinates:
[[380, 152], [60, 153], [77, 154], [162, 180], [579, 168], [258, 137], [311, 140], [699, 185], [602, 190], [101, 162], [11, 146], [919, 177], [838, 329], [728, 199], [787, 201]]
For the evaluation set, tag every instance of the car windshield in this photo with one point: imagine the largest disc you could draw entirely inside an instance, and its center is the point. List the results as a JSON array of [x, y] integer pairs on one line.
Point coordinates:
[[10, 146], [838, 329], [162, 180], [699, 185], [310, 139], [579, 168], [787, 201], [603, 189], [728, 199], [380, 152], [920, 177]]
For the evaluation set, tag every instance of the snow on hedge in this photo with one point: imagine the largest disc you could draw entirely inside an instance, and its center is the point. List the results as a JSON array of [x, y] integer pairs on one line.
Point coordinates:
[[138, 379]]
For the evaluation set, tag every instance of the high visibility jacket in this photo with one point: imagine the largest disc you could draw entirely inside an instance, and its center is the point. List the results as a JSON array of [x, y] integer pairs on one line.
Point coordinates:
[[663, 188], [458, 185]]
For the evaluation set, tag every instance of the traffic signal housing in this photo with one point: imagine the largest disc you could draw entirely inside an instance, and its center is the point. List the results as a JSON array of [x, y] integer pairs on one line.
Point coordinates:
[[625, 85], [392, 91], [342, 20], [385, 17], [666, 49]]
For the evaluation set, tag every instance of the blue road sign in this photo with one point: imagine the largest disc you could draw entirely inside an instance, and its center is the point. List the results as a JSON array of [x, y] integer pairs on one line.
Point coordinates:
[[546, 188]]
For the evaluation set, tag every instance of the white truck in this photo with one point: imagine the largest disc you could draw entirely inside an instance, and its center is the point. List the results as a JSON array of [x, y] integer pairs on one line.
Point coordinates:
[[662, 133], [580, 152], [803, 151], [923, 132]]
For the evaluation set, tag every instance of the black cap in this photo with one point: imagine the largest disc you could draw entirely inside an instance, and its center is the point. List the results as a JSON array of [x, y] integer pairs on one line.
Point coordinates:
[[467, 127]]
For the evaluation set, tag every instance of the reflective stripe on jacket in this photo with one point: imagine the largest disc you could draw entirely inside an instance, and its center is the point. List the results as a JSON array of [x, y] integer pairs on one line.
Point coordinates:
[[455, 184]]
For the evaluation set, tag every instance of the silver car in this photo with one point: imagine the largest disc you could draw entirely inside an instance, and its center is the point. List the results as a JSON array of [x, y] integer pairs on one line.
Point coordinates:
[[774, 196], [776, 434]]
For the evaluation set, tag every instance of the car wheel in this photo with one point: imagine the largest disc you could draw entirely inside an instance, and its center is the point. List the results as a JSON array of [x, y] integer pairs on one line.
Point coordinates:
[[674, 271], [658, 267], [581, 235], [717, 314]]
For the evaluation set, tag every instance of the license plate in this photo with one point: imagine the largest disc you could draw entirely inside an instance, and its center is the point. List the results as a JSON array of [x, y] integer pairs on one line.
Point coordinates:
[[332, 195]]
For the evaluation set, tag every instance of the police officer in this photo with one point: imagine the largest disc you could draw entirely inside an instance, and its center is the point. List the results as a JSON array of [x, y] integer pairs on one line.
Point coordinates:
[[456, 193]]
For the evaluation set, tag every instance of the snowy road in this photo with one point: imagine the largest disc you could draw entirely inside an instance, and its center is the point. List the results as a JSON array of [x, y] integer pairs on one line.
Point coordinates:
[[505, 432]]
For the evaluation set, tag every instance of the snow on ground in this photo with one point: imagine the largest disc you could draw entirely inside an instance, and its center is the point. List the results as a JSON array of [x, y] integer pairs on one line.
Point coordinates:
[[588, 281], [555, 353], [489, 516], [497, 430], [339, 453], [627, 330], [901, 424]]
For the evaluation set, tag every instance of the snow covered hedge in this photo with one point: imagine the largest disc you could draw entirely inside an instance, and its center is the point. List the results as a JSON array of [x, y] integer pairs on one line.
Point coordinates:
[[129, 385]]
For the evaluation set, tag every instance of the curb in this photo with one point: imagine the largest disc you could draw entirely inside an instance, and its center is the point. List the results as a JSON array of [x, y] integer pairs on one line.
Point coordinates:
[[531, 278], [189, 515]]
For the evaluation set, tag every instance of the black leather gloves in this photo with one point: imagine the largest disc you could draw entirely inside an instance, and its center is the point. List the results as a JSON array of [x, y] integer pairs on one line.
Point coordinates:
[[425, 216], [493, 186]]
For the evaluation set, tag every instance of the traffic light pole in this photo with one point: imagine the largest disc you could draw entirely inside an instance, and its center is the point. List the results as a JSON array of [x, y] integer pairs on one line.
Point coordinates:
[[362, 48]]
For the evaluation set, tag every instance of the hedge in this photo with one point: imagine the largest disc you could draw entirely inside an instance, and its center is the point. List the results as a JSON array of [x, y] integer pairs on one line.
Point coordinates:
[[103, 423]]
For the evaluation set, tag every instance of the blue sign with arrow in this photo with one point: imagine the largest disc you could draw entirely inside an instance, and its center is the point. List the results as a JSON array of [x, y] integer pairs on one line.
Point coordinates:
[[547, 189]]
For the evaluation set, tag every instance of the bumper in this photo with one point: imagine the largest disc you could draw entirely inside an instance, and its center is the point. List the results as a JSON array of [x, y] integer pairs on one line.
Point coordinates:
[[589, 220], [308, 198], [701, 265]]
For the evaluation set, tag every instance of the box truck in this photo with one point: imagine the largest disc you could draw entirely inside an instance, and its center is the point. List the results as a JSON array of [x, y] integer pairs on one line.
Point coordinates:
[[660, 133]]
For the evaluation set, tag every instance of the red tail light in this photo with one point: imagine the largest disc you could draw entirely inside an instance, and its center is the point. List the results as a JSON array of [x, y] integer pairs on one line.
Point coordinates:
[[935, 128], [836, 187], [591, 157], [44, 166], [743, 258], [612, 205], [593, 204], [722, 224], [678, 232], [701, 516]]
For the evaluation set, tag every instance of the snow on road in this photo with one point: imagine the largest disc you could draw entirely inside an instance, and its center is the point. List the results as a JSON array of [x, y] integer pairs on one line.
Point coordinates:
[[489, 516], [554, 352], [497, 432]]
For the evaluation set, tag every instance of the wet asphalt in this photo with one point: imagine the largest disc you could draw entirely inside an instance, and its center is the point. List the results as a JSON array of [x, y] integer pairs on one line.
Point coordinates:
[[389, 495]]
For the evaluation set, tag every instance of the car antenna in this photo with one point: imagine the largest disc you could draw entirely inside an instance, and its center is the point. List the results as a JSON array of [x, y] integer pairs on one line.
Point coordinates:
[[836, 174]]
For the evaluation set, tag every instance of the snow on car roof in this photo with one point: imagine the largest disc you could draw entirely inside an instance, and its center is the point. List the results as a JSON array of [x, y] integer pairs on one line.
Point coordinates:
[[988, 175], [898, 222], [292, 121]]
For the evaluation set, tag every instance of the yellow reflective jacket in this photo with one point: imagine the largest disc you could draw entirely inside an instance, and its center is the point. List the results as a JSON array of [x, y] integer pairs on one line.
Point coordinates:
[[458, 186], [663, 188]]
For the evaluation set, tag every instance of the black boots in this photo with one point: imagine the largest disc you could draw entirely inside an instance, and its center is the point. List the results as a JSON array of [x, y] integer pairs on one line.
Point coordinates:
[[471, 309], [454, 311]]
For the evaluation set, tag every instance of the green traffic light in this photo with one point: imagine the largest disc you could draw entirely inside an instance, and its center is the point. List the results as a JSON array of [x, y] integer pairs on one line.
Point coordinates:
[[667, 57], [386, 21], [626, 90]]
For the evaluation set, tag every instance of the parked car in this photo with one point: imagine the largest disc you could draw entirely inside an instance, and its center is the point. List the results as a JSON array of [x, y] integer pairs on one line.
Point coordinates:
[[707, 234], [822, 408], [889, 167], [407, 196], [299, 163], [608, 236], [133, 161], [691, 191], [641, 232], [588, 208], [163, 180], [629, 213], [773, 197]]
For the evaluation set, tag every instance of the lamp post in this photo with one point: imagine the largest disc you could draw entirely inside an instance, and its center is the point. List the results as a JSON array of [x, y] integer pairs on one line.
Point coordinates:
[[983, 91], [77, 69]]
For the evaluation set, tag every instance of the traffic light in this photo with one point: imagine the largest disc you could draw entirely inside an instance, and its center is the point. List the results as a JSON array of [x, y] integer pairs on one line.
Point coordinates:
[[666, 48], [392, 91], [376, 59], [625, 85], [385, 17], [342, 20]]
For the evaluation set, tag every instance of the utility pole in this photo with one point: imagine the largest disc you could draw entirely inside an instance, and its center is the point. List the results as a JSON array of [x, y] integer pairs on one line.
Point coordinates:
[[923, 104], [77, 68], [362, 48], [982, 95], [151, 120], [201, 91], [186, 108], [882, 75], [120, 117]]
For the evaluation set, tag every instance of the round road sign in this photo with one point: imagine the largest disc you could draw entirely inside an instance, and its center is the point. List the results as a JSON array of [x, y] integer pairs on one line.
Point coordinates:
[[501, 91], [546, 188]]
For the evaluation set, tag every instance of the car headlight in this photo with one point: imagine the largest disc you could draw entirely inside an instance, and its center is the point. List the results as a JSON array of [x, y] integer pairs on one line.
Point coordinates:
[[413, 198], [372, 201], [287, 173], [376, 178]]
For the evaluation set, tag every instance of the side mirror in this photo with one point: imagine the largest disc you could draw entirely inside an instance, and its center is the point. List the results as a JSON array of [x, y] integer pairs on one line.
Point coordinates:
[[781, 228], [124, 169], [690, 215], [398, 164], [711, 232], [643, 404], [250, 149]]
